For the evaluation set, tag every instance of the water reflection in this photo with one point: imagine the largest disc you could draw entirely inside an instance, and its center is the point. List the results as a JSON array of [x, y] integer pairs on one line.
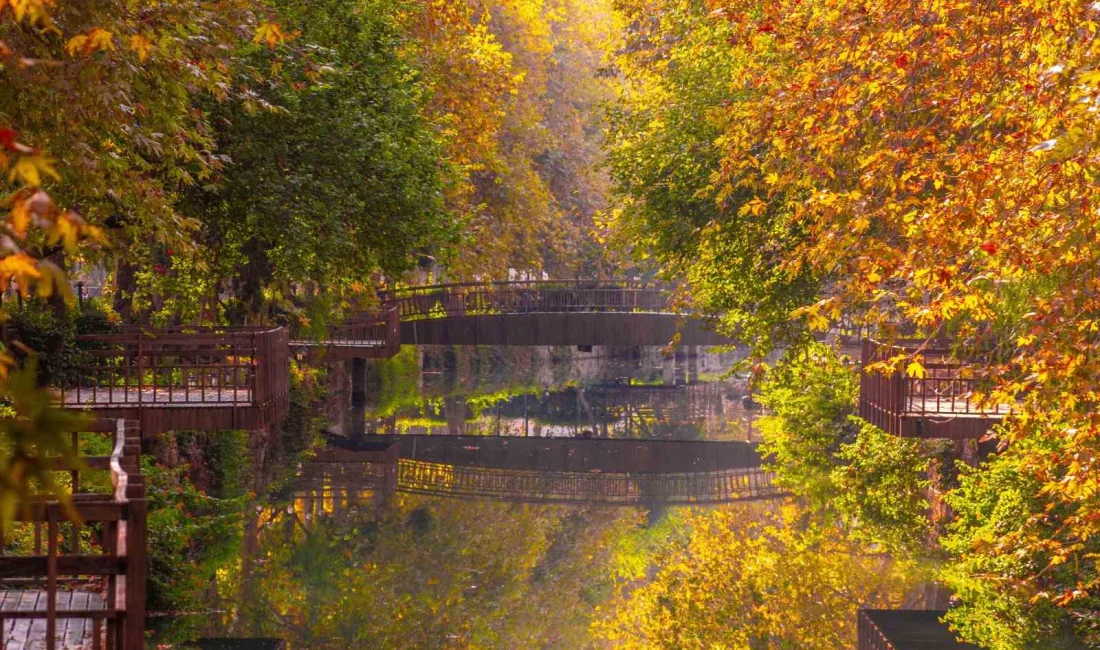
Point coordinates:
[[608, 393], [480, 544]]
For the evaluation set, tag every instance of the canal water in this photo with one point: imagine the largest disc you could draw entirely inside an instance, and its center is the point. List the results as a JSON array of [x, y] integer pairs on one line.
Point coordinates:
[[348, 562]]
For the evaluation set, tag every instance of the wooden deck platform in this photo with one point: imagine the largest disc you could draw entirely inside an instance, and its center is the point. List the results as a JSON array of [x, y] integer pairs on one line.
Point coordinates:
[[30, 633], [946, 401], [906, 629], [183, 378]]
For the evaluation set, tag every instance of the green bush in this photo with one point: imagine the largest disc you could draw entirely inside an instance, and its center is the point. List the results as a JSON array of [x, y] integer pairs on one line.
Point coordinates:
[[190, 536], [36, 327], [844, 467]]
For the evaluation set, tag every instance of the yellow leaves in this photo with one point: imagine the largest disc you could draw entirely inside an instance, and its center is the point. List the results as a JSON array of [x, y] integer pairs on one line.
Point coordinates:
[[141, 46], [29, 170], [270, 34], [33, 11], [754, 207], [19, 265], [96, 40], [815, 320], [50, 280], [916, 369]]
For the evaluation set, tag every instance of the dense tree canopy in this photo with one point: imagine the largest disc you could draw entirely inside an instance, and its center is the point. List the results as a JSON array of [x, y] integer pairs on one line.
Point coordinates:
[[665, 154], [928, 165], [343, 182]]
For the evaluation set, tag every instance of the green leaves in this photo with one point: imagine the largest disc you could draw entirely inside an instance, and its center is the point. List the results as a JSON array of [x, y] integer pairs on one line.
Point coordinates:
[[843, 467]]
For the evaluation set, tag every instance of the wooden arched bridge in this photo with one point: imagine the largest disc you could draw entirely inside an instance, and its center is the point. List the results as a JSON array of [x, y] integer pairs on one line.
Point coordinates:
[[523, 313], [540, 470]]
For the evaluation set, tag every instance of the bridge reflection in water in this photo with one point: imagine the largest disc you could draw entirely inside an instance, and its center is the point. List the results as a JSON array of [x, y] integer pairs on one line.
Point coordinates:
[[650, 472]]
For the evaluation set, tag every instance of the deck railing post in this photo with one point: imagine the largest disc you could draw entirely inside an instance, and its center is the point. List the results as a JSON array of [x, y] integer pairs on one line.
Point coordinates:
[[51, 577]]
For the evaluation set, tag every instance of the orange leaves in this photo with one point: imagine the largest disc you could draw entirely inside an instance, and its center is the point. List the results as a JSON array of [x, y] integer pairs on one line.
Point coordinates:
[[270, 34], [141, 46], [30, 209], [96, 40], [35, 12]]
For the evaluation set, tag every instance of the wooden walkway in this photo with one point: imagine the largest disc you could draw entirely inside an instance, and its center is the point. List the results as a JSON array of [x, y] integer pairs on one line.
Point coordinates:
[[184, 378], [943, 403], [523, 313], [30, 633], [81, 583]]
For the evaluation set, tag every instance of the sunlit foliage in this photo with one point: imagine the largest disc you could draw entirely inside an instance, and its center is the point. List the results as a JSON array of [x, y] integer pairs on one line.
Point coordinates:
[[754, 576], [934, 165]]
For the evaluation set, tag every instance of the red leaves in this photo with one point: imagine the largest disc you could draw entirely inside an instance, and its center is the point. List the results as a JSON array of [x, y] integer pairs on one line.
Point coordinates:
[[7, 139], [902, 61], [766, 28], [989, 247], [9, 142]]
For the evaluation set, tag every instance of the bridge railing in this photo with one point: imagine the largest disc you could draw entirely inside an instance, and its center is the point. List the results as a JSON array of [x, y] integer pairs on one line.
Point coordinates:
[[374, 469], [539, 486], [382, 331], [88, 554], [943, 399], [523, 297], [177, 367]]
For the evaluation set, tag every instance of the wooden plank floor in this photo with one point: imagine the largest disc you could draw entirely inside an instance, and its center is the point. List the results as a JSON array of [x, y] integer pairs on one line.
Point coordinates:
[[30, 634]]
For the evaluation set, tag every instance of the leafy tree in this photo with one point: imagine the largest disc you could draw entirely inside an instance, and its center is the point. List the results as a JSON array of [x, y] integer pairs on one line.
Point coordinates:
[[339, 184], [515, 90], [845, 468], [810, 399], [1011, 600], [935, 165], [665, 151], [882, 491]]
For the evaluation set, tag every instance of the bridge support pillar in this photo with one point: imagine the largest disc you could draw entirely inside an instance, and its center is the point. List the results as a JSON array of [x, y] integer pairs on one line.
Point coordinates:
[[357, 424]]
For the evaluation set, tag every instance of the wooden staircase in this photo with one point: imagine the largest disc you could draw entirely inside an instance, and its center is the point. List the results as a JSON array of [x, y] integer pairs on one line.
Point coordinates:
[[81, 582]]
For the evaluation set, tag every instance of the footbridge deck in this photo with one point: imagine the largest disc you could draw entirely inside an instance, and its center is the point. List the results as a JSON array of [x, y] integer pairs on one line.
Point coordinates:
[[525, 313]]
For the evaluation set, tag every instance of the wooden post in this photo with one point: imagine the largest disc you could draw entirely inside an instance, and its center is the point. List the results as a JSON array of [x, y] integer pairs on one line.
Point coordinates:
[[51, 578], [134, 634]]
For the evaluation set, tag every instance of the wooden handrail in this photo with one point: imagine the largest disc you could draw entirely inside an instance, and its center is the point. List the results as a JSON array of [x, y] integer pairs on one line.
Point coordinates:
[[610, 284], [118, 475]]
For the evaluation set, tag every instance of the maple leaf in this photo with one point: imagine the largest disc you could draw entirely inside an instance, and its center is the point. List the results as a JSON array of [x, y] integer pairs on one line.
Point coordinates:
[[271, 34], [142, 46], [7, 139], [29, 170]]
